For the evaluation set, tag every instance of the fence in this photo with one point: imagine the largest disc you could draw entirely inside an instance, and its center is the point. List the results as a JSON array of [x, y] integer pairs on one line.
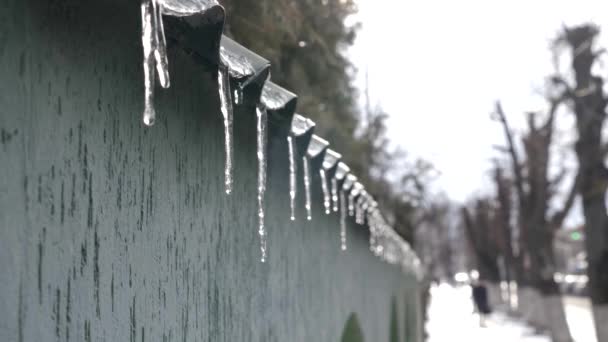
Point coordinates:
[[111, 230]]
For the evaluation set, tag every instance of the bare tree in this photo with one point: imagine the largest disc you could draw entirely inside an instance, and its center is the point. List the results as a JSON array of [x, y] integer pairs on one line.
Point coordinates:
[[590, 103], [534, 190], [482, 237]]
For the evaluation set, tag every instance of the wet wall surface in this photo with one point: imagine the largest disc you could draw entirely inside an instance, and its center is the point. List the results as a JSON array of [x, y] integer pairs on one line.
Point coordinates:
[[112, 231]]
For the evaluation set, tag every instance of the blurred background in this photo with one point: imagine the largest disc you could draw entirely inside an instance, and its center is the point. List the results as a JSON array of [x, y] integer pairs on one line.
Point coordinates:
[[479, 127]]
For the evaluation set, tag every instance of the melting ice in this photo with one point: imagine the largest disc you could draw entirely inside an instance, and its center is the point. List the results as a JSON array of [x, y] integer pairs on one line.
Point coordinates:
[[300, 125], [342, 221], [330, 160], [306, 165], [341, 172], [223, 80], [324, 188], [292, 176], [316, 146]]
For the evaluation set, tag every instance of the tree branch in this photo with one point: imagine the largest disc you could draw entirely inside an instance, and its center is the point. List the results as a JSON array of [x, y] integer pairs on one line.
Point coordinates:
[[519, 179]]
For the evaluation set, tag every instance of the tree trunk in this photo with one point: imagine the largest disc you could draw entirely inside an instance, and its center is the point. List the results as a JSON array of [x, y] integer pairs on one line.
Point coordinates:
[[556, 318], [590, 112], [596, 241], [600, 315]]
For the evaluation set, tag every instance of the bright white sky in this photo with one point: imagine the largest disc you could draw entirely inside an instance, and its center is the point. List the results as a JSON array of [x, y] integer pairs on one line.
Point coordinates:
[[437, 67]]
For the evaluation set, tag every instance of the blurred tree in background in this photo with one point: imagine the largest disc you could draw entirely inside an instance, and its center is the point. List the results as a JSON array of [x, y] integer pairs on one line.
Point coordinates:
[[305, 42]]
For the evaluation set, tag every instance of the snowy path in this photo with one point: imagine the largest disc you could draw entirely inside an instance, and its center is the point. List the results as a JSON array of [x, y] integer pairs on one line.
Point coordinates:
[[451, 318], [580, 319]]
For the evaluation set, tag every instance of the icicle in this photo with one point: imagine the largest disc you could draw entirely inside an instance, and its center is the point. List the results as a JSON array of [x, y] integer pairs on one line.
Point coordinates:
[[330, 161], [341, 171], [261, 154], [361, 207], [342, 220], [147, 13], [334, 193], [351, 204], [324, 187], [223, 81], [160, 50], [306, 165], [292, 176]]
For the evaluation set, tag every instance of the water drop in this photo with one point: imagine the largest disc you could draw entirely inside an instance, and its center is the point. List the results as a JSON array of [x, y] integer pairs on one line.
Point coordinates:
[[324, 188], [261, 155], [306, 166], [223, 80], [292, 176]]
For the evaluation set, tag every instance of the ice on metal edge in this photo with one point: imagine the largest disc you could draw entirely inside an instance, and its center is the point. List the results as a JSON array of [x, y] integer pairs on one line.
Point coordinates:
[[262, 133], [341, 171], [181, 8], [330, 159], [223, 80], [275, 97], [316, 146], [300, 125], [238, 65], [292, 176], [349, 181]]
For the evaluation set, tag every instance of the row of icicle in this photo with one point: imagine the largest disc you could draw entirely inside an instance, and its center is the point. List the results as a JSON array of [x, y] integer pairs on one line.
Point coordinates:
[[341, 193]]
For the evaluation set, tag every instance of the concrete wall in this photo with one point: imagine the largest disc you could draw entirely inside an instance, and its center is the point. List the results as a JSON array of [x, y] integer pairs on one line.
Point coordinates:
[[111, 231]]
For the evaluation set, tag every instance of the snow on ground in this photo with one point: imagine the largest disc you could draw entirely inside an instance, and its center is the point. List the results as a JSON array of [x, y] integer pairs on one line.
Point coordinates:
[[451, 318], [580, 318]]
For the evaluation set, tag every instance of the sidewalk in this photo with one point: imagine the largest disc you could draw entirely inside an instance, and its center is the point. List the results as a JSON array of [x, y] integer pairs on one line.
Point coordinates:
[[451, 318]]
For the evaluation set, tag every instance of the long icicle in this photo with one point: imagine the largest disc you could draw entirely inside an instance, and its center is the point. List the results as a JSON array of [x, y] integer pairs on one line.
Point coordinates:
[[223, 80], [261, 154], [292, 176], [351, 201], [342, 220], [334, 193], [324, 187], [306, 166], [160, 50], [148, 43]]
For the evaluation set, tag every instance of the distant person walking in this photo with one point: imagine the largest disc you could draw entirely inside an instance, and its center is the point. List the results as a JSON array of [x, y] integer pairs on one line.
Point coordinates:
[[480, 298]]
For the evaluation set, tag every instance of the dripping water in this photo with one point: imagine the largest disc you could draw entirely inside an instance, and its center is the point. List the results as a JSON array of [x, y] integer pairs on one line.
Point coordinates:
[[342, 220], [306, 165], [334, 193], [324, 187], [223, 80], [261, 155], [292, 176]]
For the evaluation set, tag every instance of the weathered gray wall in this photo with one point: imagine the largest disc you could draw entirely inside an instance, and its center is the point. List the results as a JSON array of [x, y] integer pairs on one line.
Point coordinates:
[[110, 231]]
